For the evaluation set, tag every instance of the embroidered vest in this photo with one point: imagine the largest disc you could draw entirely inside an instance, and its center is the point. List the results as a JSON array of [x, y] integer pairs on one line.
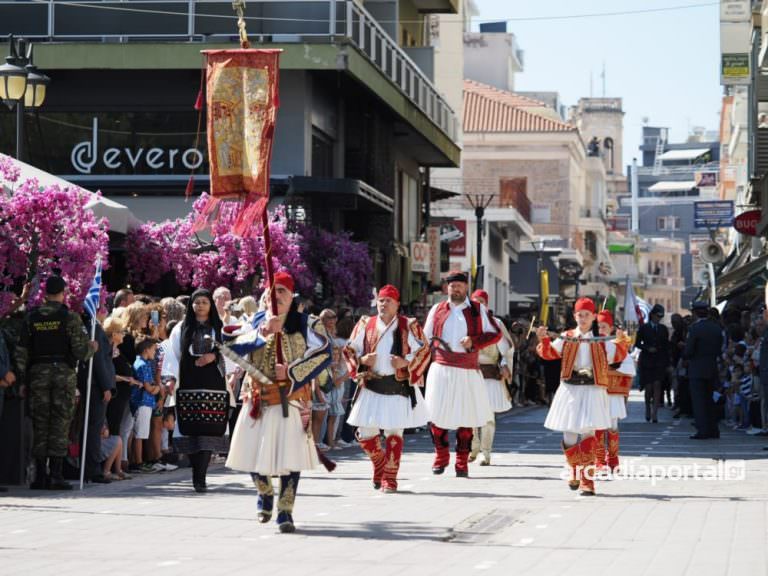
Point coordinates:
[[597, 353]]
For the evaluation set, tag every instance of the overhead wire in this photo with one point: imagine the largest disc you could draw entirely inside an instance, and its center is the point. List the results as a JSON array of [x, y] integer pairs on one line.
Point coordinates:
[[634, 12]]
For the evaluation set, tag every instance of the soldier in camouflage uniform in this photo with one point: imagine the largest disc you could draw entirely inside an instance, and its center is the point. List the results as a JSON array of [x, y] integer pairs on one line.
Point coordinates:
[[52, 340]]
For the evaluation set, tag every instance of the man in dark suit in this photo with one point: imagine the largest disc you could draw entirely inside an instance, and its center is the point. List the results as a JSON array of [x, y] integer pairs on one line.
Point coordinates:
[[653, 343], [702, 348]]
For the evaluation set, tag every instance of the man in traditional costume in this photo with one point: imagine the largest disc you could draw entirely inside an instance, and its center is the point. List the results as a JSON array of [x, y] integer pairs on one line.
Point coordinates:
[[580, 405], [456, 397], [271, 437], [619, 383], [496, 366], [387, 355]]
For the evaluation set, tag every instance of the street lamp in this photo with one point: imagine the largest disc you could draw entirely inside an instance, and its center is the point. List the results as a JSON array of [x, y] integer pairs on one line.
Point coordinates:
[[21, 85], [479, 202]]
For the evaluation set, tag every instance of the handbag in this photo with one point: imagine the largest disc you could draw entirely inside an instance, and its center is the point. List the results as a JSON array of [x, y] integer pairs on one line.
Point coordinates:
[[202, 412]]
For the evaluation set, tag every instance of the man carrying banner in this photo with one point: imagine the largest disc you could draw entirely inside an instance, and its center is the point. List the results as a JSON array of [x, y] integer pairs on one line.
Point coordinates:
[[619, 383], [387, 355], [495, 365], [271, 437], [580, 405], [456, 397]]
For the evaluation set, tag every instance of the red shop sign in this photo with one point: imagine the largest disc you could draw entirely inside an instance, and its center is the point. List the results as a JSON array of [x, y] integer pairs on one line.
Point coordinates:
[[746, 222]]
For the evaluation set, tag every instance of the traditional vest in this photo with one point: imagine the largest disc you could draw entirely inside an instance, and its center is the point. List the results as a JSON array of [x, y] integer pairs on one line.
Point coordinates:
[[619, 383], [569, 353], [480, 339], [400, 347]]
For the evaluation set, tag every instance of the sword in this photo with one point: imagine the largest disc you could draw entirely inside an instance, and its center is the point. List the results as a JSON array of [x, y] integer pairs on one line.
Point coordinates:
[[440, 342], [241, 362]]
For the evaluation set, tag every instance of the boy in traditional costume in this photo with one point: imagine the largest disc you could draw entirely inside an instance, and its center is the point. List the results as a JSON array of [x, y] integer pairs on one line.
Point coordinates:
[[619, 383], [580, 405], [387, 355]]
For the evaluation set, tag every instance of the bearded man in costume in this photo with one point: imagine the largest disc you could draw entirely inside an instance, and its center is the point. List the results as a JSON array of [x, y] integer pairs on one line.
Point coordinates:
[[271, 437], [387, 355], [496, 366], [580, 405], [619, 383], [456, 397]]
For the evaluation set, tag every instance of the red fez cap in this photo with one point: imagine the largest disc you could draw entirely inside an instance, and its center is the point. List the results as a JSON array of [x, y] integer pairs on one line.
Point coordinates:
[[480, 294], [606, 317], [283, 279], [389, 291], [584, 304]]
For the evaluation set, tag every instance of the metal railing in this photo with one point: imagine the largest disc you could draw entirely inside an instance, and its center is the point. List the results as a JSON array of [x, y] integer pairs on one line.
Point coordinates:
[[269, 21]]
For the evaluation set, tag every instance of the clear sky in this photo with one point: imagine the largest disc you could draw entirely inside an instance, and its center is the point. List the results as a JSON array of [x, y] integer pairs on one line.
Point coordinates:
[[663, 64]]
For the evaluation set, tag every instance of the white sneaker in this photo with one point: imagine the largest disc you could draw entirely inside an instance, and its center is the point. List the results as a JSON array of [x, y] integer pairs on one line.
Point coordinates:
[[169, 467], [322, 446], [754, 431], [157, 467]]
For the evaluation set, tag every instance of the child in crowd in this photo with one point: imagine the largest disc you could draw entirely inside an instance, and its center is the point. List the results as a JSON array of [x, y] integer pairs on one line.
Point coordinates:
[[143, 399]]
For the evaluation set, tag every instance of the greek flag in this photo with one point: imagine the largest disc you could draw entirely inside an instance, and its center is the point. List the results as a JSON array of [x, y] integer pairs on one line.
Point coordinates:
[[91, 304]]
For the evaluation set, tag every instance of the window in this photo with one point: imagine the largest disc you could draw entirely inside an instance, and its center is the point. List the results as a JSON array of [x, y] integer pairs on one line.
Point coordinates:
[[322, 155], [668, 223]]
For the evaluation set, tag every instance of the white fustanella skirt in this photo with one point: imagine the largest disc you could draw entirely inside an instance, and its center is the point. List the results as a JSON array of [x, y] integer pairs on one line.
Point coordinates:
[[457, 397], [617, 405], [498, 397], [579, 409], [272, 445], [388, 412]]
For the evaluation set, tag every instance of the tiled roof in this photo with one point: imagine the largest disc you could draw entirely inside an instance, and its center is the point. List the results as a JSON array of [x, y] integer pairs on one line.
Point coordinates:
[[488, 109]]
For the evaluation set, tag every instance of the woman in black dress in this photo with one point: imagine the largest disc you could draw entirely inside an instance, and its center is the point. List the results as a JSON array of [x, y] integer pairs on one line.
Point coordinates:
[[201, 399]]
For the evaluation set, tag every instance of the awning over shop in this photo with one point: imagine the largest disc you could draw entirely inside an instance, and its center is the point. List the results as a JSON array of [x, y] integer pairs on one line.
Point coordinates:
[[519, 298], [621, 248], [679, 155], [672, 186], [119, 216], [753, 274]]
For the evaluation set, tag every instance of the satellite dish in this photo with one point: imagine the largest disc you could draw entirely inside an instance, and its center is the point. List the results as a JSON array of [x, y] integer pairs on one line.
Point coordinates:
[[711, 253]]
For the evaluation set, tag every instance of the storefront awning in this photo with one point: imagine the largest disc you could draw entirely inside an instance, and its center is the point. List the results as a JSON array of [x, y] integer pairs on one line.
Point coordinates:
[[672, 186], [679, 155], [753, 274], [120, 218]]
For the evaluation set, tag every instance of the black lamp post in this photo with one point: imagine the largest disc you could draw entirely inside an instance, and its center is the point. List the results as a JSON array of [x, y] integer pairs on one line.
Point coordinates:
[[21, 85], [479, 202]]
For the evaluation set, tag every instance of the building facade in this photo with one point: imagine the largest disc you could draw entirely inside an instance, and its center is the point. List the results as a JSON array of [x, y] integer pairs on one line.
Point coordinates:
[[360, 118]]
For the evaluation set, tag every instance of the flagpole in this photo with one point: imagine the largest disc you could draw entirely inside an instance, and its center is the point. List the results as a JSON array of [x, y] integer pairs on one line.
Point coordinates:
[[87, 406], [88, 386]]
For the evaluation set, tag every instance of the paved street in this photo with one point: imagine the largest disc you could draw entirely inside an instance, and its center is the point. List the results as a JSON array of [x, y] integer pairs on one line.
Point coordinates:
[[514, 517]]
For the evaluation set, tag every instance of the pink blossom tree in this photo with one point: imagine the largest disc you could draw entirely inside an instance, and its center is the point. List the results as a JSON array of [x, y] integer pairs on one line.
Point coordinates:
[[43, 229], [343, 266], [155, 249]]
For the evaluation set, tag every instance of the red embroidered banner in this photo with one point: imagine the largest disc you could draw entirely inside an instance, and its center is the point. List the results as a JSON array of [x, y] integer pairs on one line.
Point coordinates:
[[242, 102]]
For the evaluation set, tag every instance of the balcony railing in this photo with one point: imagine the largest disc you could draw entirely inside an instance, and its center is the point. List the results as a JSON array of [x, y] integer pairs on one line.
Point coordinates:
[[269, 21], [652, 280]]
